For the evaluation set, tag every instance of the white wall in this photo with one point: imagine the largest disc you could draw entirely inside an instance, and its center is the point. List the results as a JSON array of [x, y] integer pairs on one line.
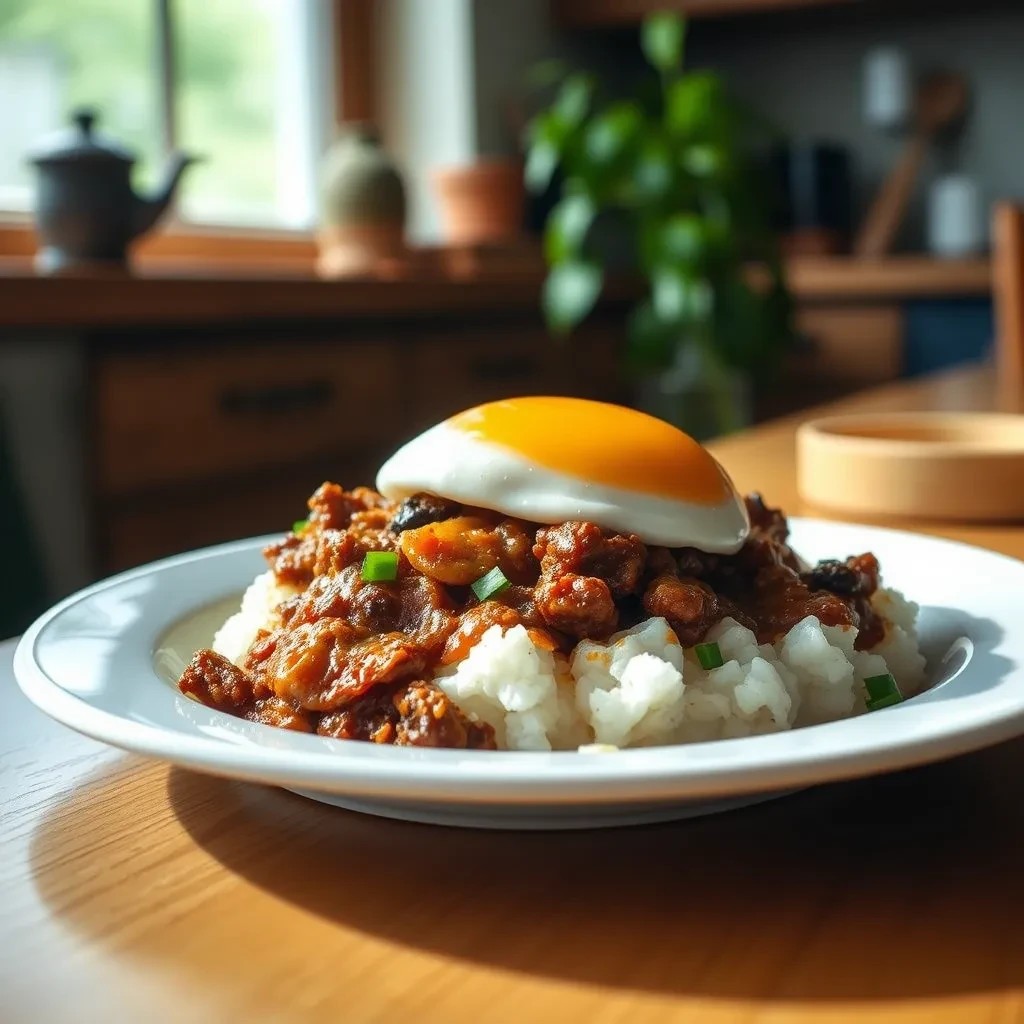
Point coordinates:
[[805, 73], [451, 73], [507, 39], [427, 110], [450, 69], [803, 70]]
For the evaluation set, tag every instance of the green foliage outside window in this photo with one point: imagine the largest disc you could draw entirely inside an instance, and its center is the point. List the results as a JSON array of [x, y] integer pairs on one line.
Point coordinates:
[[104, 55]]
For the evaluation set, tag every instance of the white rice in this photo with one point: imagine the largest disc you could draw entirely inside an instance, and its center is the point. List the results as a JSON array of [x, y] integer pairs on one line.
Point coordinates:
[[524, 692], [640, 688], [259, 611]]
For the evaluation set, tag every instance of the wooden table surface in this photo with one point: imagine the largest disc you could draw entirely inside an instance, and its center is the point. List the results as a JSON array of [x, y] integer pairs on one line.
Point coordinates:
[[132, 891]]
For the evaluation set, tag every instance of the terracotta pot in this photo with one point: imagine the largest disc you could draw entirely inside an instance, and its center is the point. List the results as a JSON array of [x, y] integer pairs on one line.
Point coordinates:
[[481, 203]]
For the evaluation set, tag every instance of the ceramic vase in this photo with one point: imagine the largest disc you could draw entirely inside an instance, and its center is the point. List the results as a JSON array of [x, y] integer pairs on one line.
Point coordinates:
[[363, 206]]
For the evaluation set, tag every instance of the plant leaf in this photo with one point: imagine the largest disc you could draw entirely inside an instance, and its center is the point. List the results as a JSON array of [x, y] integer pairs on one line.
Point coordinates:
[[651, 342], [610, 133], [567, 227], [661, 38], [652, 172], [683, 239], [570, 291], [573, 99], [546, 73], [679, 296], [670, 287], [704, 161], [694, 107], [739, 323], [541, 161], [546, 138]]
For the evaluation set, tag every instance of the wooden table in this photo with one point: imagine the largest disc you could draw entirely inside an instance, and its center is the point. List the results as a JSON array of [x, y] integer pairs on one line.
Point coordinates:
[[131, 891]]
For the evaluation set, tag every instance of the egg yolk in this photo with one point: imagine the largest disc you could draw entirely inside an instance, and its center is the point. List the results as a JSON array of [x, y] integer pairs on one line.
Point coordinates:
[[601, 443]]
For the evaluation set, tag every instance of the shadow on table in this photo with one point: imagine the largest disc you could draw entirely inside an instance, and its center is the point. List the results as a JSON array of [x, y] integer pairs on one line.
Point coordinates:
[[902, 886]]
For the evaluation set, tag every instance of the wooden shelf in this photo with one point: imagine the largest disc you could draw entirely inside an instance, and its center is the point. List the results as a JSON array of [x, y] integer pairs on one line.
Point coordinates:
[[167, 299], [95, 301], [604, 13], [894, 277]]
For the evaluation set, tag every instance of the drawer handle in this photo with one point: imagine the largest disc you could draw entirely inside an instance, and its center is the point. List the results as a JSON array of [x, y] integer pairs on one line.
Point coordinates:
[[510, 367], [806, 344], [276, 400]]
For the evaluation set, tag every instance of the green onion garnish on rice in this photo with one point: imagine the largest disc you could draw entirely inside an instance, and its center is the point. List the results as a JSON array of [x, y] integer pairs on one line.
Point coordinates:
[[491, 583], [299, 525], [709, 655], [380, 566], [882, 691]]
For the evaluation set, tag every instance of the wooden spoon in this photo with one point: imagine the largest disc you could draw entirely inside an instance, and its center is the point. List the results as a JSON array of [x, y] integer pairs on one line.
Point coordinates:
[[940, 103]]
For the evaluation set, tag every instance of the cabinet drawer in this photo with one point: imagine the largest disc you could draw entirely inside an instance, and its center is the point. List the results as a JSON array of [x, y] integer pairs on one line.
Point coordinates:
[[842, 349], [188, 415], [449, 374], [139, 529], [859, 345]]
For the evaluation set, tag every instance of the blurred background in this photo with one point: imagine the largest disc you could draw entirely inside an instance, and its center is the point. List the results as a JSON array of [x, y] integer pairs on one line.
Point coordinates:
[[248, 245]]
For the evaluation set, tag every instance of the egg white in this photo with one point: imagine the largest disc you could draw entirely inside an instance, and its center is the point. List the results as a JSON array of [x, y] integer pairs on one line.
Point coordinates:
[[452, 463]]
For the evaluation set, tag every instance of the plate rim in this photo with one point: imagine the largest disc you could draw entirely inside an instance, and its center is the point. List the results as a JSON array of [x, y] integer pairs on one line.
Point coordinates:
[[653, 773]]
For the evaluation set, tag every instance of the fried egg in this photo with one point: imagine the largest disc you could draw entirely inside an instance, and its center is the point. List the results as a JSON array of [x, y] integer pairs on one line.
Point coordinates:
[[548, 460]]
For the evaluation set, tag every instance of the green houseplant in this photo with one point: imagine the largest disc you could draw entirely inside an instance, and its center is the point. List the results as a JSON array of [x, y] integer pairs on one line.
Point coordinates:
[[668, 173]]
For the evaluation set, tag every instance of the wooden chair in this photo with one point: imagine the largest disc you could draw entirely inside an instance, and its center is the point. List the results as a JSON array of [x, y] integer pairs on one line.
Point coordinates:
[[1008, 293]]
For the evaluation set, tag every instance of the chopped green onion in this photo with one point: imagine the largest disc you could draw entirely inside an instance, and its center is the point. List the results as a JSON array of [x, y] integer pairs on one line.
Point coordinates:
[[884, 702], [380, 566], [881, 686], [299, 525], [882, 691], [491, 583], [709, 655]]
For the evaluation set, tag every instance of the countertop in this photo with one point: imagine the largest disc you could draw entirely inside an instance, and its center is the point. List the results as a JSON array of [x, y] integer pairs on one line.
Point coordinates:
[[137, 891], [165, 296]]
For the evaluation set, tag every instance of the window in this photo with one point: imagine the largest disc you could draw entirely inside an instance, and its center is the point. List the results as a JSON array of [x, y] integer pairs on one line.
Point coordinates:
[[241, 83]]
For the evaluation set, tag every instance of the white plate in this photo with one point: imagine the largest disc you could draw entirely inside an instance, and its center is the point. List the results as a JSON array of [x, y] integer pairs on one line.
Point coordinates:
[[104, 662]]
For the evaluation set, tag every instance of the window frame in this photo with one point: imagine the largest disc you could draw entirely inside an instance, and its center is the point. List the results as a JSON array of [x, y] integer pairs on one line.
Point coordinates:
[[179, 244]]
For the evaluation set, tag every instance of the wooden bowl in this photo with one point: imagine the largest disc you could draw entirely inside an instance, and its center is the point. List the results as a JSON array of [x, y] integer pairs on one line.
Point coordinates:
[[927, 465]]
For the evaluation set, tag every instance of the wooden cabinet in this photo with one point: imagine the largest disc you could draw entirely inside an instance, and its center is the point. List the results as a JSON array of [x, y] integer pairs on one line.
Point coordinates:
[[138, 528], [851, 346], [450, 373], [217, 404], [840, 348], [185, 414], [200, 442]]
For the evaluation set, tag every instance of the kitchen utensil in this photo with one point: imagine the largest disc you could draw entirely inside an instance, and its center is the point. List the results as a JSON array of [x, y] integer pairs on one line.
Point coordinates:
[[955, 223], [939, 105]]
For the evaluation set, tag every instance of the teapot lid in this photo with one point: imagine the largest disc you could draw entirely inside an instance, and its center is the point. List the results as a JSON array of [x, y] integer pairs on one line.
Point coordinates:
[[80, 142]]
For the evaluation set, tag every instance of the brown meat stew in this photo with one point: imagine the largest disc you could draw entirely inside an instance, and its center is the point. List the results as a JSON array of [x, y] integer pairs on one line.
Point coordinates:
[[355, 659]]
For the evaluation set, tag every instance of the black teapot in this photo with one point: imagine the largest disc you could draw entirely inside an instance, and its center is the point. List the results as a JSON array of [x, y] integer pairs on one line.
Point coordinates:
[[85, 209]]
